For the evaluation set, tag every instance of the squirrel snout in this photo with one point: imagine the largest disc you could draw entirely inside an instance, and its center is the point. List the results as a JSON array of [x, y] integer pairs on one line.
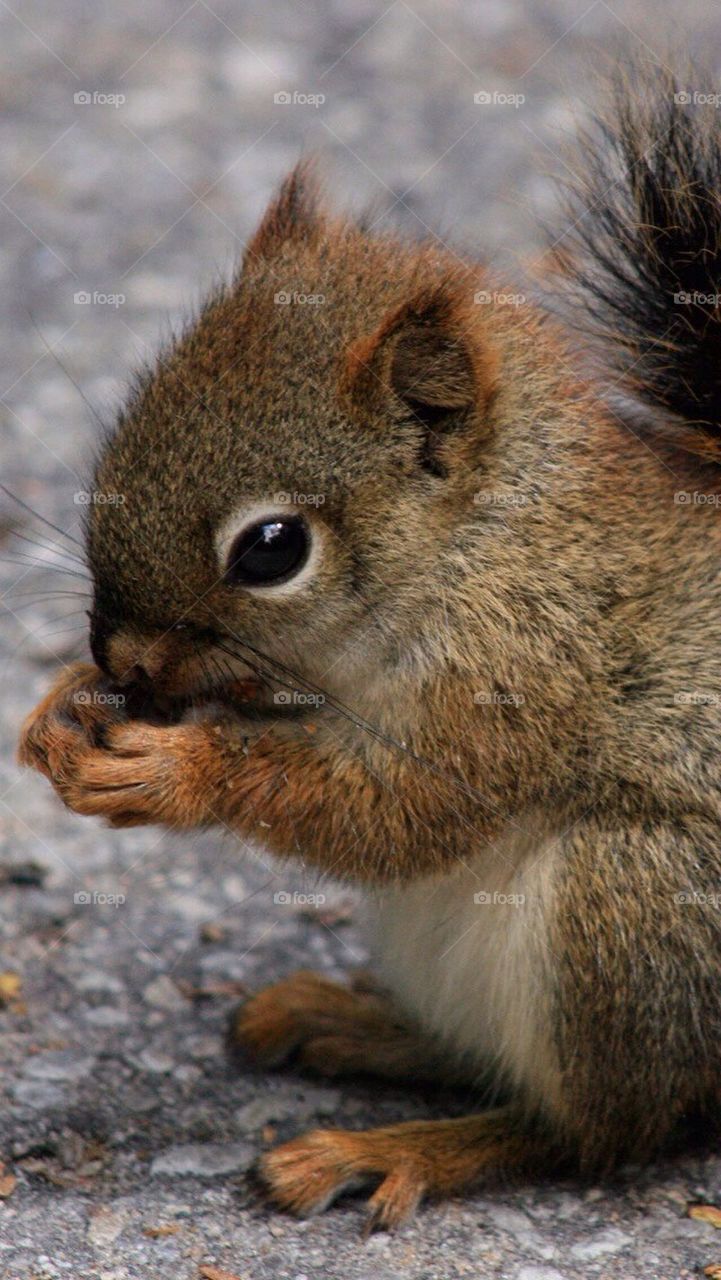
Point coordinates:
[[163, 662], [133, 658]]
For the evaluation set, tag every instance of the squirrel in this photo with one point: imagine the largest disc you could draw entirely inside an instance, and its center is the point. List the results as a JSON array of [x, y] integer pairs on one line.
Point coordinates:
[[419, 585]]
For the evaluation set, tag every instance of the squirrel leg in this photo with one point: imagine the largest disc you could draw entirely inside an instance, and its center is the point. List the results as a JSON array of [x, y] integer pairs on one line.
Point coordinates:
[[417, 1159], [331, 1030], [301, 793]]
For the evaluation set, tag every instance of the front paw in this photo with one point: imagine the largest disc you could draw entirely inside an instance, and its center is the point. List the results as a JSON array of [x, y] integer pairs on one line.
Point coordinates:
[[143, 774], [79, 705]]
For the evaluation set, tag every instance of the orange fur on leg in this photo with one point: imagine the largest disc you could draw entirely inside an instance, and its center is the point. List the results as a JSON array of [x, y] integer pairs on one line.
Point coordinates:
[[334, 1030], [417, 1159]]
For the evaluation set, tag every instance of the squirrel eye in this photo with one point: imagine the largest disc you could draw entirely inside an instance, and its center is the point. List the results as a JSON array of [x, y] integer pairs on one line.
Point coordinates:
[[268, 551]]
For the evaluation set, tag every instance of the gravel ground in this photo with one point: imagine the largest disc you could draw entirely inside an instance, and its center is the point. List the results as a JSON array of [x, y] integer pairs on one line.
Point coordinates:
[[127, 1130]]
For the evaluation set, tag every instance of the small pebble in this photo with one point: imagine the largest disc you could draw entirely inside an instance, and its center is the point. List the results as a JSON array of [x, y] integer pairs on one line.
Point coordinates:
[[204, 1160]]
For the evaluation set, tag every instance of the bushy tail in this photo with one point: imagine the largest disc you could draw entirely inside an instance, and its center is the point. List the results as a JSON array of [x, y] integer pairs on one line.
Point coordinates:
[[645, 244]]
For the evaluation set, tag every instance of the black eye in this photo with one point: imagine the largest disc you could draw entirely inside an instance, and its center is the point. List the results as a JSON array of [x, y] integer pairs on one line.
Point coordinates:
[[271, 550]]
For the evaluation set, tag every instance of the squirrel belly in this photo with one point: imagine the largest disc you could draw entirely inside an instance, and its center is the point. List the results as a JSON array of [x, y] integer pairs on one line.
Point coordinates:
[[467, 956]]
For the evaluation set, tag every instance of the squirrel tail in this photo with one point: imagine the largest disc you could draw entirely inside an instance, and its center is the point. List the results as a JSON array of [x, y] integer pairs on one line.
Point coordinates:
[[644, 248]]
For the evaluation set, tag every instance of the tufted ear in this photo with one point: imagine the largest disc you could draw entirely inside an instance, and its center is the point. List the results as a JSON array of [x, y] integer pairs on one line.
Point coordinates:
[[427, 355], [292, 216]]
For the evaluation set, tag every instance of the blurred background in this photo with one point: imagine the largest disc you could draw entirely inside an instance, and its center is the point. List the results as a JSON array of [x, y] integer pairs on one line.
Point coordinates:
[[140, 143]]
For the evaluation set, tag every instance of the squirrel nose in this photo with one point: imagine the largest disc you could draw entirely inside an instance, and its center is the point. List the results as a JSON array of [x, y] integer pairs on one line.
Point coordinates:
[[137, 675], [131, 659]]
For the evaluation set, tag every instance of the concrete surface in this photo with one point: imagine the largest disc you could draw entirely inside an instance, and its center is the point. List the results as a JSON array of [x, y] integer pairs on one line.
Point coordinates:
[[120, 1115]]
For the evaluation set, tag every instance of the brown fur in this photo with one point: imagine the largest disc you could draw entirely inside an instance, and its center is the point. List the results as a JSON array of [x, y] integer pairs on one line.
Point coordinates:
[[488, 529]]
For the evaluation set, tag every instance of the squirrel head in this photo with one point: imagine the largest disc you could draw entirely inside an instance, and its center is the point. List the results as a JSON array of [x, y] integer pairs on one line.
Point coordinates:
[[282, 478]]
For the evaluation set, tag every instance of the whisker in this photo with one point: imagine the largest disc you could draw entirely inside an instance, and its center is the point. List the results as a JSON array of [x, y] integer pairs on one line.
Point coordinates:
[[48, 595], [226, 673], [51, 351], [61, 631], [50, 545], [357, 720], [26, 561], [30, 604], [44, 520]]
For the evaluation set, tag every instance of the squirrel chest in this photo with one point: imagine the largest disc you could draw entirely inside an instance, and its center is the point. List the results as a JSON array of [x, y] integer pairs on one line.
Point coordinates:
[[466, 955]]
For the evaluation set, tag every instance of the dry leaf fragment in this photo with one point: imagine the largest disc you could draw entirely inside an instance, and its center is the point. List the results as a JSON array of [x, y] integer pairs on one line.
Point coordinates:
[[8, 1183], [164, 1229], [705, 1213], [10, 984], [212, 932], [216, 1273]]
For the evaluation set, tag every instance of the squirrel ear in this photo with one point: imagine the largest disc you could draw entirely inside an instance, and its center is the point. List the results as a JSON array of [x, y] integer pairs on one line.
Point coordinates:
[[424, 354], [292, 215]]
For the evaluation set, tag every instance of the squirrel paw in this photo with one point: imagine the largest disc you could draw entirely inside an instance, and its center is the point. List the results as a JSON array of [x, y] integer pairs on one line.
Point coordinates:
[[142, 774], [305, 1176], [129, 773], [78, 705], [330, 1029], [416, 1159]]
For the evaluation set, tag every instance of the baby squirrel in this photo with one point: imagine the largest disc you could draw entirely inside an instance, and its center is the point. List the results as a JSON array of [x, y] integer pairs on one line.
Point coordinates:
[[364, 485]]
